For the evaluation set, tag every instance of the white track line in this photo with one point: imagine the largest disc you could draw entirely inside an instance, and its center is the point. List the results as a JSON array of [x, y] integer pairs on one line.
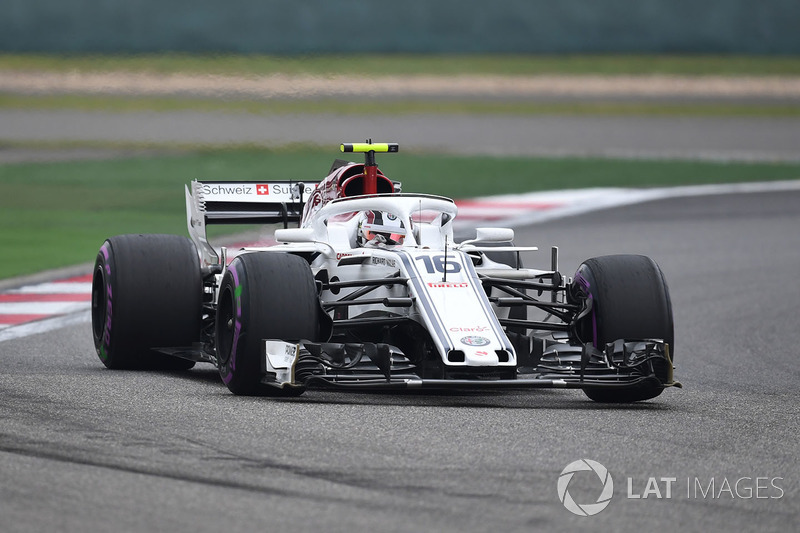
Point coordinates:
[[40, 308], [43, 326], [70, 287], [588, 200]]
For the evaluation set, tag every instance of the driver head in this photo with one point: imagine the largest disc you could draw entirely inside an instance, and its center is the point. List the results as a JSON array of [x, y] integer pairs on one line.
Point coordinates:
[[378, 227]]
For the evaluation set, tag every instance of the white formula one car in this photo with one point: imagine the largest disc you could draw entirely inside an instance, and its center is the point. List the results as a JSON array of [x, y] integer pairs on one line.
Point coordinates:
[[371, 291]]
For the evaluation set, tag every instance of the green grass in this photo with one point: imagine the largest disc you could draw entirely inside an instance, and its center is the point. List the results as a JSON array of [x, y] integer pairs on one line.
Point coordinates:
[[396, 107], [58, 214], [403, 64]]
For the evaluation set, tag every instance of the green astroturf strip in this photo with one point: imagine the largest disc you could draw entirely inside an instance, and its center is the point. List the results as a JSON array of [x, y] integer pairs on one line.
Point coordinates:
[[393, 64], [57, 214], [763, 108]]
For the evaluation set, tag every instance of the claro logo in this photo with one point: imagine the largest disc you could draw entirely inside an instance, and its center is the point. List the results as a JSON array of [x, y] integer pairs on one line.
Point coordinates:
[[448, 284]]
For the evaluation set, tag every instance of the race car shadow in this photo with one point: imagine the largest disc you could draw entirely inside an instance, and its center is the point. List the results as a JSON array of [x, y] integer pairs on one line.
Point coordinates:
[[458, 398], [517, 399]]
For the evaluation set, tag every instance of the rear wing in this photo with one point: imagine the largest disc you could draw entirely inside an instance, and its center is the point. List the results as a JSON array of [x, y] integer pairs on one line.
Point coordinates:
[[241, 202]]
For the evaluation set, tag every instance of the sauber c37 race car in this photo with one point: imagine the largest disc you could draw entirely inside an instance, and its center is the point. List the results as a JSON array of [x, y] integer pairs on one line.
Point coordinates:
[[370, 291]]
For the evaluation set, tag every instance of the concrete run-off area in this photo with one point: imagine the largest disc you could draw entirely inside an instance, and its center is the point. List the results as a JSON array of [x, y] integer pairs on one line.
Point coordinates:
[[411, 86]]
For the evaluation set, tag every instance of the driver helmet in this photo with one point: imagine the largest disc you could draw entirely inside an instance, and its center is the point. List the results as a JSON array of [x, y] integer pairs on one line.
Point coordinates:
[[378, 227]]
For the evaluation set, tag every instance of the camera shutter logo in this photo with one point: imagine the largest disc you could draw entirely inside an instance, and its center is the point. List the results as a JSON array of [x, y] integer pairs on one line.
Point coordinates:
[[585, 509]]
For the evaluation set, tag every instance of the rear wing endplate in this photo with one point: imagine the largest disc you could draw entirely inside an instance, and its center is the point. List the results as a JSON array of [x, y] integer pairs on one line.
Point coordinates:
[[241, 202]]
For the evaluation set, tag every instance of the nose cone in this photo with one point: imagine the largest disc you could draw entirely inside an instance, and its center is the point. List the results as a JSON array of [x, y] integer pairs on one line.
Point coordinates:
[[481, 357]]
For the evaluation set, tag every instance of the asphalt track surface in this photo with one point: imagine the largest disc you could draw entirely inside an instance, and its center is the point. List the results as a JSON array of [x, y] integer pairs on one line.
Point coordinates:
[[83, 448], [709, 138]]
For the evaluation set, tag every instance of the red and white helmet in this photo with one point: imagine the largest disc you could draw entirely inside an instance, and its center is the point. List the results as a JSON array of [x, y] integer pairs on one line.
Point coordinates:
[[378, 227]]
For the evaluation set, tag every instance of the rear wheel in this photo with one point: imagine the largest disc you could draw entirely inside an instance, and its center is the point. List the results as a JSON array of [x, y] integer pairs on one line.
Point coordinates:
[[264, 295], [147, 293], [630, 300]]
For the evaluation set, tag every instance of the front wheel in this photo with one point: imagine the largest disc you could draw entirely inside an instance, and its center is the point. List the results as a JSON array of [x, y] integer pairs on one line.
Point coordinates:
[[630, 300], [265, 295]]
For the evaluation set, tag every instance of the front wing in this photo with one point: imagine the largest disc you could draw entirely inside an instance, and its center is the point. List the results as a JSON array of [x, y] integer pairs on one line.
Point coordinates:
[[622, 365]]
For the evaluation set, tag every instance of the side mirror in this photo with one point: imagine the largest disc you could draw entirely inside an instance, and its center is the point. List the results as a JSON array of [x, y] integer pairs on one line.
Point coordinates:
[[492, 235], [294, 235]]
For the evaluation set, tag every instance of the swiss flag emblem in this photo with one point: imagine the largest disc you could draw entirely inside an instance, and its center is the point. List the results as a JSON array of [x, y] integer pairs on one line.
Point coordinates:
[[262, 189]]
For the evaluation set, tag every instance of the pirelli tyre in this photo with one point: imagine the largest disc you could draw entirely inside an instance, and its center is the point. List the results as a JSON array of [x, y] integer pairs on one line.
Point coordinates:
[[630, 300], [264, 295], [147, 293]]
